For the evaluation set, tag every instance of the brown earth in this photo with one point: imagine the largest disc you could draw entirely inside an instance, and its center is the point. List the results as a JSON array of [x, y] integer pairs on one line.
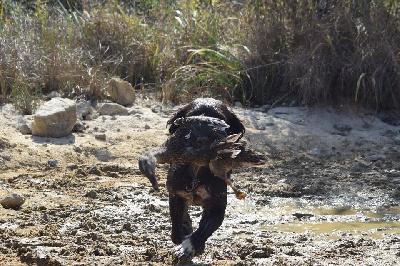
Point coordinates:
[[329, 194]]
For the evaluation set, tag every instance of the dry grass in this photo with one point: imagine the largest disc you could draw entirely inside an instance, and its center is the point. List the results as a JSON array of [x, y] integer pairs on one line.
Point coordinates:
[[248, 51]]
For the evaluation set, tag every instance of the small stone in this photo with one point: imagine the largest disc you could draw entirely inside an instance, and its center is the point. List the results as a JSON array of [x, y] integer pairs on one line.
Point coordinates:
[[265, 108], [238, 104], [100, 136], [93, 115], [52, 163], [25, 129], [157, 109], [79, 126], [13, 201], [95, 171], [397, 140], [6, 156], [83, 108], [72, 166], [375, 158], [77, 149], [146, 127], [53, 94], [91, 194], [103, 155], [342, 127]]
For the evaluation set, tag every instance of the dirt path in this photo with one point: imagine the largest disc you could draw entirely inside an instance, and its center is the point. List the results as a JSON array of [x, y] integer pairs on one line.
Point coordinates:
[[329, 193]]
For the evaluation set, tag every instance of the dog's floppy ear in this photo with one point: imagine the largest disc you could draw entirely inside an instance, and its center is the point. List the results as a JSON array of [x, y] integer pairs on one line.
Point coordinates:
[[236, 126], [182, 112]]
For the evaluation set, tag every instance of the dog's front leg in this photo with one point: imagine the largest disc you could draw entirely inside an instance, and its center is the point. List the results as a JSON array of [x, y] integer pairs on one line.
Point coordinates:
[[211, 220]]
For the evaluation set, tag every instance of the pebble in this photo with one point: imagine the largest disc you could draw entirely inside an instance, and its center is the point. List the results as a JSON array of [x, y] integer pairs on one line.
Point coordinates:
[[6, 156], [156, 109], [13, 201], [238, 104], [375, 158], [103, 155], [100, 136], [72, 166], [52, 163], [342, 127], [25, 130], [91, 194], [397, 140]]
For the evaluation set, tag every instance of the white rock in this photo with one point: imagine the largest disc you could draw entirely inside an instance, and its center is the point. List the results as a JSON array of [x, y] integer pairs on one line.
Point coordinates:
[[112, 109], [12, 201], [121, 91], [56, 118], [53, 94], [103, 155]]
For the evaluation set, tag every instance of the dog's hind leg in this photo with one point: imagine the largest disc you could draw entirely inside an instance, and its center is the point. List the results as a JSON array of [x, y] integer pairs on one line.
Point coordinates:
[[179, 180], [180, 219]]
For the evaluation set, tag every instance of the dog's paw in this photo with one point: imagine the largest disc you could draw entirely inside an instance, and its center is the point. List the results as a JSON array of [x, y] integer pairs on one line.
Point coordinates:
[[184, 252]]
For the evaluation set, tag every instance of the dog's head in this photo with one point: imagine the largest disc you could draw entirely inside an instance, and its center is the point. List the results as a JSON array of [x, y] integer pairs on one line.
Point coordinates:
[[210, 108]]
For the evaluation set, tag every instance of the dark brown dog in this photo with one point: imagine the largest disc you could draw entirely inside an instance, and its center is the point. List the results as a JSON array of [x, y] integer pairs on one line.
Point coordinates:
[[193, 183]]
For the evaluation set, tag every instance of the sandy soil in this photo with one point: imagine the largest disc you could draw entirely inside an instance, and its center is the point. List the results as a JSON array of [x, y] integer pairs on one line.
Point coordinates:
[[328, 195]]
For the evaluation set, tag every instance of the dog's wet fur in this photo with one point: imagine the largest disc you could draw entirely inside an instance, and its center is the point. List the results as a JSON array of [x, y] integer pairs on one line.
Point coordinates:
[[195, 129], [192, 184]]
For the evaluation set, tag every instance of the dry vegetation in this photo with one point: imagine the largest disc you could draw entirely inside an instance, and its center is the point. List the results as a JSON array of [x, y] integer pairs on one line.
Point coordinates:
[[251, 51]]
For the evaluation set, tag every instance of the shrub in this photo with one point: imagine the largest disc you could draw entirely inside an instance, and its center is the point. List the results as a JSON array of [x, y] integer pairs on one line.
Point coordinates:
[[254, 51]]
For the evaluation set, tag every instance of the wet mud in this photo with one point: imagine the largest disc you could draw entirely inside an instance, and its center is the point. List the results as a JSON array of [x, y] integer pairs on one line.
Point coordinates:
[[311, 204]]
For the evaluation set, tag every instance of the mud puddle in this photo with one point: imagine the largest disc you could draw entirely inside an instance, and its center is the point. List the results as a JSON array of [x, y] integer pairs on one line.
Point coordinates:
[[324, 221]]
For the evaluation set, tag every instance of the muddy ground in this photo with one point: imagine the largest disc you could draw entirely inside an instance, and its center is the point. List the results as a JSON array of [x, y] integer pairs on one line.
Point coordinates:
[[328, 195]]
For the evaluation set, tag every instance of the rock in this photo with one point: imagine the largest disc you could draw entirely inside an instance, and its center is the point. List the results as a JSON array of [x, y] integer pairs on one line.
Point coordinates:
[[358, 167], [156, 109], [103, 155], [4, 143], [316, 152], [13, 201], [238, 104], [83, 108], [397, 140], [376, 157], [79, 126], [56, 118], [52, 163], [53, 94], [342, 127], [95, 171], [6, 156], [146, 127], [112, 109], [72, 166], [265, 108], [135, 110], [91, 194], [121, 91], [100, 136], [26, 129], [93, 115]]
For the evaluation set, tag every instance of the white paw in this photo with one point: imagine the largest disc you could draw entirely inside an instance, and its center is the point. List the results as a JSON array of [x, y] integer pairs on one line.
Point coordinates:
[[184, 252]]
